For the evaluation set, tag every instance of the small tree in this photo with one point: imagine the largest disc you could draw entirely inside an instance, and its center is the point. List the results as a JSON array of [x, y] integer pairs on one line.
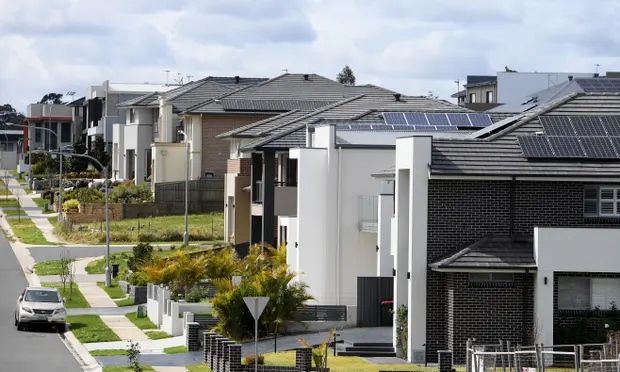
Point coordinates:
[[78, 163], [71, 278], [64, 271], [6, 184], [133, 356], [18, 200], [346, 76], [319, 354]]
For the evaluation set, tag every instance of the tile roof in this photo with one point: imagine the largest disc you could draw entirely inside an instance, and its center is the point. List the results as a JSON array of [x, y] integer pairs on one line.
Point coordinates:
[[492, 252], [145, 100], [274, 105], [499, 154], [388, 172], [257, 128]]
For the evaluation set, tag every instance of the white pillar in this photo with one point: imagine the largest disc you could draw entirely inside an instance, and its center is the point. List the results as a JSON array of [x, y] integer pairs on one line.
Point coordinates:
[[385, 260], [543, 306], [196, 147], [401, 256]]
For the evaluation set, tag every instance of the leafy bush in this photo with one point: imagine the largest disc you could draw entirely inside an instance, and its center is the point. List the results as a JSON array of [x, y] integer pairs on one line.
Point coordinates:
[[38, 168], [96, 185], [138, 279], [132, 194], [142, 255], [196, 294], [251, 359], [86, 195], [70, 205], [81, 183], [122, 275]]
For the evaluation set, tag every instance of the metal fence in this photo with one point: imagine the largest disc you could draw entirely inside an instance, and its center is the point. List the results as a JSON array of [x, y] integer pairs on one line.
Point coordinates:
[[372, 291], [318, 313], [205, 195]]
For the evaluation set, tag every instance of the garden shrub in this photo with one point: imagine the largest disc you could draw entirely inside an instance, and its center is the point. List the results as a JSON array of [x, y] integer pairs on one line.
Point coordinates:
[[38, 168], [142, 255], [196, 294], [86, 195], [251, 359], [71, 205], [138, 279], [132, 194]]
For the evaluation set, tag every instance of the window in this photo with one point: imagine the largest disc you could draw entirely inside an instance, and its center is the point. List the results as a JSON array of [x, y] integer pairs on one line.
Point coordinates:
[[601, 201], [156, 123], [132, 115], [583, 293], [65, 133], [37, 132], [472, 97], [489, 96], [291, 172], [491, 277]]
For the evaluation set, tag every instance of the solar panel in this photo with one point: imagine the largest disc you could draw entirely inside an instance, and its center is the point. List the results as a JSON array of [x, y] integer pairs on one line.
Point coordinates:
[[416, 118], [600, 85], [435, 128], [480, 120], [402, 127], [615, 142], [557, 126], [535, 146], [566, 147], [394, 118], [598, 147], [612, 125], [588, 126], [460, 120], [437, 119]]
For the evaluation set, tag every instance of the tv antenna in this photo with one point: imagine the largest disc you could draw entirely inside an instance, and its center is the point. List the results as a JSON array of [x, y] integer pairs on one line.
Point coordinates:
[[71, 94], [285, 70], [189, 77], [179, 79]]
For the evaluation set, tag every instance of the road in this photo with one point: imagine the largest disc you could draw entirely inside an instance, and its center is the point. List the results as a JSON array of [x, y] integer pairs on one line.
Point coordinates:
[[53, 253], [26, 350]]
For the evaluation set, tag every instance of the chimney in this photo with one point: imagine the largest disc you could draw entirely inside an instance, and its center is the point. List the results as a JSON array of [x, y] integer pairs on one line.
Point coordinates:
[[596, 74], [237, 79], [306, 77], [570, 77], [397, 97]]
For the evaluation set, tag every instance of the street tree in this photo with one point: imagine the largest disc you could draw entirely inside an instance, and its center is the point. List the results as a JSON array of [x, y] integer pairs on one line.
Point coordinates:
[[346, 76]]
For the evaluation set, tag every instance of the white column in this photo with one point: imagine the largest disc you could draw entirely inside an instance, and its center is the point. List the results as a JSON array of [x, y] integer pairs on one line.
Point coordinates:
[[543, 306], [196, 147], [401, 256], [385, 260]]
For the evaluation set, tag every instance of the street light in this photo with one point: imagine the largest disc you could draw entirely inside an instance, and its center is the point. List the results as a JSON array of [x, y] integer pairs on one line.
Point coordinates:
[[108, 276], [60, 187], [186, 233]]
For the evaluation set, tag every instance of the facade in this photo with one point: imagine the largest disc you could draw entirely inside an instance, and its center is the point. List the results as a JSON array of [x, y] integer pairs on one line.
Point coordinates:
[[496, 238], [480, 93]]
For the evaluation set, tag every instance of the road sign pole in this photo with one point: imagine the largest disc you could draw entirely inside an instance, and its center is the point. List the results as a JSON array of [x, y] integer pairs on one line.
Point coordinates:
[[256, 335], [256, 305]]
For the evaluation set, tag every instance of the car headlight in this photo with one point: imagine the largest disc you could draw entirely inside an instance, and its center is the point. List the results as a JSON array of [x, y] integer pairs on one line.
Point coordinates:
[[27, 309], [60, 312]]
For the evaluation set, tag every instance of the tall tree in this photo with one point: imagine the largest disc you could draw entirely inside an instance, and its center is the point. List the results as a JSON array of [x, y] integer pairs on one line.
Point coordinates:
[[78, 164], [52, 98], [9, 114], [346, 76], [98, 150]]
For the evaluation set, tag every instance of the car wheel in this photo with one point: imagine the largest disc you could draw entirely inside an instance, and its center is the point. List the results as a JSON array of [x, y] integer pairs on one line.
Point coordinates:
[[20, 326], [61, 328]]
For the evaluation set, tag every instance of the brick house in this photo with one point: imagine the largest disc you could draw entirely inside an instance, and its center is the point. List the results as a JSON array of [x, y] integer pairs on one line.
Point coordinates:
[[513, 232]]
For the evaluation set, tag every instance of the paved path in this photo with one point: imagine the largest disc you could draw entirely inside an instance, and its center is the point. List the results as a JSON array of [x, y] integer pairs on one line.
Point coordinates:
[[85, 278], [169, 369], [102, 310], [145, 346], [32, 350], [178, 360], [95, 295], [124, 328]]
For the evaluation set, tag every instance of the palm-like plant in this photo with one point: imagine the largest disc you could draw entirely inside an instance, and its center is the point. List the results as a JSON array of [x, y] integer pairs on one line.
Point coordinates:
[[222, 263], [187, 270], [159, 271]]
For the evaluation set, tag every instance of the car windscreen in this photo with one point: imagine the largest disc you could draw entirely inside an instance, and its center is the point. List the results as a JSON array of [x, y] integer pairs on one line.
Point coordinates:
[[34, 295]]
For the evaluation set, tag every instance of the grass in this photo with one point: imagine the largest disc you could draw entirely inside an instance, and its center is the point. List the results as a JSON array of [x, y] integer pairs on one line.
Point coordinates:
[[8, 203], [142, 323], [176, 350], [5, 191], [27, 232], [121, 258], [202, 227], [39, 202], [13, 212], [198, 368], [28, 191], [110, 352], [115, 292], [53, 220], [14, 173], [77, 299], [51, 267], [22, 181], [125, 302], [157, 335], [124, 369], [90, 328]]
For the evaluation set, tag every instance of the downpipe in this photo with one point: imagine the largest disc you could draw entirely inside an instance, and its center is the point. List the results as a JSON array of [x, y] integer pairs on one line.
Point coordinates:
[[338, 208]]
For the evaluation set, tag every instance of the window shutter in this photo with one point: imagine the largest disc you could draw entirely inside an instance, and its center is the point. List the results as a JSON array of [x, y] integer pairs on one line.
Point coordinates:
[[607, 207]]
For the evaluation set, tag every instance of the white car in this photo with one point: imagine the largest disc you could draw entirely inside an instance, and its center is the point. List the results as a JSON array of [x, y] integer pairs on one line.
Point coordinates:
[[41, 305]]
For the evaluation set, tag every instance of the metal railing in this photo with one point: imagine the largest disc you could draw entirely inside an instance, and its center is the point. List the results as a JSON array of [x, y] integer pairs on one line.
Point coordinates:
[[318, 313], [368, 214]]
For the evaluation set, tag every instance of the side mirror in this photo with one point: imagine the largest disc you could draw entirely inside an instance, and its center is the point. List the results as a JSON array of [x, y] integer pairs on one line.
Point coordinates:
[[20, 298], [64, 300]]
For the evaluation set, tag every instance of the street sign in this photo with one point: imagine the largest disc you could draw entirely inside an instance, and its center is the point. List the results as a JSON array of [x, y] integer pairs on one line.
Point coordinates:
[[256, 305]]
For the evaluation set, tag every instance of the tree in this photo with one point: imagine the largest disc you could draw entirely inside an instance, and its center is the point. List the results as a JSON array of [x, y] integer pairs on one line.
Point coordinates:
[[10, 115], [52, 98], [18, 206], [98, 151], [64, 271], [346, 76], [78, 164]]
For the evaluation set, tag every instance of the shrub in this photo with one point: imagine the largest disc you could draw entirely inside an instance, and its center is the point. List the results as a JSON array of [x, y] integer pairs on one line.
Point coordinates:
[[142, 255], [71, 205], [97, 185], [86, 195], [251, 359], [132, 194], [38, 168], [196, 294], [138, 279], [122, 275]]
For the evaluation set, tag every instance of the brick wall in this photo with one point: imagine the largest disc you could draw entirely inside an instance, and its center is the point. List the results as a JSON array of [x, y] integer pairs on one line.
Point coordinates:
[[215, 151], [94, 212], [242, 167], [461, 212]]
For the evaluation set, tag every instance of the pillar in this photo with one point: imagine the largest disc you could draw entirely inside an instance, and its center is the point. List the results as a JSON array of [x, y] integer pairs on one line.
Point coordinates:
[[256, 175], [445, 360], [401, 255], [385, 260], [191, 338], [269, 177], [543, 306]]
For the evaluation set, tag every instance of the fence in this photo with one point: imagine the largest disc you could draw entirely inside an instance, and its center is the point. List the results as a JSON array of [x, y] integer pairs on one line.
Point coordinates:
[[371, 292], [507, 357], [206, 195], [318, 313]]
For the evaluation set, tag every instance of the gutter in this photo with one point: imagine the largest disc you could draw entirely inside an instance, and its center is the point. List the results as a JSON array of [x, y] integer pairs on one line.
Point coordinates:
[[338, 208]]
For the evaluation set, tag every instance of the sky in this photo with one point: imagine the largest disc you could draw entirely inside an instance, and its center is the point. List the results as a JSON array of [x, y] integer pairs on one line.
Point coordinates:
[[410, 46]]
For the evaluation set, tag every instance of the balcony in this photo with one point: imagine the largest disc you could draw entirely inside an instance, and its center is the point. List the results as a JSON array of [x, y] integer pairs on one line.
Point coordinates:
[[368, 214], [285, 198]]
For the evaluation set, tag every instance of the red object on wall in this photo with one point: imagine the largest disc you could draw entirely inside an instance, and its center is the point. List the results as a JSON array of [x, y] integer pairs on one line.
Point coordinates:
[[25, 137]]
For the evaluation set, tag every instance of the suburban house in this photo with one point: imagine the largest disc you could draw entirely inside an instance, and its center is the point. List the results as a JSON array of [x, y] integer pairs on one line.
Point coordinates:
[[512, 233], [151, 127]]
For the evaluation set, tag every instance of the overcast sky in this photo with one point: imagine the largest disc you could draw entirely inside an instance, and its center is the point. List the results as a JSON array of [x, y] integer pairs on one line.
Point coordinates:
[[412, 46]]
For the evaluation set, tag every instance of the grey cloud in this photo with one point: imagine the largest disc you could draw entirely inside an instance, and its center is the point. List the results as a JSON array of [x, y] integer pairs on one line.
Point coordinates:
[[251, 10]]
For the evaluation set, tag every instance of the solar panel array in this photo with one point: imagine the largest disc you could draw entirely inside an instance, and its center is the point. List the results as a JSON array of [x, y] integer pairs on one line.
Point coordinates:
[[599, 85], [436, 121], [395, 127], [596, 137]]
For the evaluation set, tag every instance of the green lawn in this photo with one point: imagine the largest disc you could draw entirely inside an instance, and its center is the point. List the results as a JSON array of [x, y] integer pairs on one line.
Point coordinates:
[[39, 202], [28, 191], [14, 172], [157, 335], [124, 369], [142, 323], [8, 203], [98, 266], [51, 267], [125, 302], [176, 350], [4, 191], [110, 352], [22, 181], [77, 299], [198, 368], [206, 227], [90, 328], [27, 232], [53, 220], [14, 212], [114, 292]]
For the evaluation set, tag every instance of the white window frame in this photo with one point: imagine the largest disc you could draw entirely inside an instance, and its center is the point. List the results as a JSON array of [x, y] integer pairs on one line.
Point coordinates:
[[602, 293], [600, 202], [472, 97], [489, 96]]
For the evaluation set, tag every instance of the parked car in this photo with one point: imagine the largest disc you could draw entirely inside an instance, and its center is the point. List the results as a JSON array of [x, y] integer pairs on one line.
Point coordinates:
[[40, 305]]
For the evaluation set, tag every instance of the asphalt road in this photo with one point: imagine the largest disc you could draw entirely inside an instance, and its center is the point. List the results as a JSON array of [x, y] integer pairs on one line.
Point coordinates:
[[32, 350], [53, 253]]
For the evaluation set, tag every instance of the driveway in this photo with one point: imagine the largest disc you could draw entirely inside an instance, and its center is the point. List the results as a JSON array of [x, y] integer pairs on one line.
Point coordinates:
[[36, 350]]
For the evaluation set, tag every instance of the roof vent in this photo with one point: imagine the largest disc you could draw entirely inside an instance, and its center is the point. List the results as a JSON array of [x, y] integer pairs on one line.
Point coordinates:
[[539, 133], [570, 77], [306, 77], [596, 74], [397, 97], [237, 79]]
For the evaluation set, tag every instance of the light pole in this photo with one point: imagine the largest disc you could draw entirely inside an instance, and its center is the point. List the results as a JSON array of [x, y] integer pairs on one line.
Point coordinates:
[[186, 233], [108, 276]]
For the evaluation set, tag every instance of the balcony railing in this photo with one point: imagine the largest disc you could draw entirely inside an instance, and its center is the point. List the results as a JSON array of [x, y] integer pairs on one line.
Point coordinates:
[[368, 217], [257, 193]]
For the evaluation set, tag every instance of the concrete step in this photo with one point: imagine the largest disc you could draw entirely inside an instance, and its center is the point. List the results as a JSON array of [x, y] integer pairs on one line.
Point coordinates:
[[371, 344], [389, 349], [368, 354]]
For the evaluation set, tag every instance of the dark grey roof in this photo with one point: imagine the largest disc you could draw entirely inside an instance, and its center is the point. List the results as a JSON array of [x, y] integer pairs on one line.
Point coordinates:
[[273, 105], [388, 172], [500, 154], [77, 102], [256, 128], [145, 100], [492, 252]]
